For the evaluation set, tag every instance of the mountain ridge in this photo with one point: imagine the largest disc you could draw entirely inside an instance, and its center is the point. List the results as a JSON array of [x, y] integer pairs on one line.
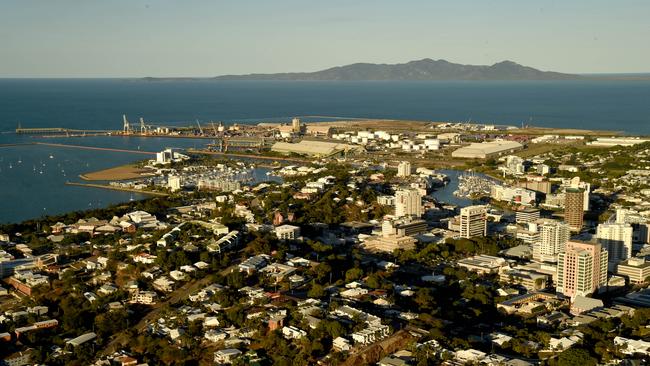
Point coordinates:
[[424, 69]]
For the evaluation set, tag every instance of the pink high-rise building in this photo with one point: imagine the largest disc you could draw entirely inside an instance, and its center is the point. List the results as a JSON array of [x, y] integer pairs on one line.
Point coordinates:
[[581, 269]]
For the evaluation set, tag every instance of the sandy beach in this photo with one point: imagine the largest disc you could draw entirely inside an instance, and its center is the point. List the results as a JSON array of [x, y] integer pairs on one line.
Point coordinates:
[[118, 173]]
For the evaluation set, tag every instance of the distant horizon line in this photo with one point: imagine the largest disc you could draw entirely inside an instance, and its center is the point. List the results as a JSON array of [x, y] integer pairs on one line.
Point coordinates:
[[646, 73]]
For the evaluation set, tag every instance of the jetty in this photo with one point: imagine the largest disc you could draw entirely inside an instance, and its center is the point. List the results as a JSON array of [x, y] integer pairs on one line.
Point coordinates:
[[96, 148], [56, 131]]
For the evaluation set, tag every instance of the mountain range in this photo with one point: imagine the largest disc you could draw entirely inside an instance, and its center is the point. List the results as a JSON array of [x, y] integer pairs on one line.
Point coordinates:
[[426, 69]]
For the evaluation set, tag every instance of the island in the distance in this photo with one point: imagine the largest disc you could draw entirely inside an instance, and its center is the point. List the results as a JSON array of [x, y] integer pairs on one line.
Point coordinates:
[[426, 69]]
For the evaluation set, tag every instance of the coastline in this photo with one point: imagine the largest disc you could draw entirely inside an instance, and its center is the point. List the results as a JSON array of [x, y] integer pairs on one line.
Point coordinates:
[[124, 189], [122, 172]]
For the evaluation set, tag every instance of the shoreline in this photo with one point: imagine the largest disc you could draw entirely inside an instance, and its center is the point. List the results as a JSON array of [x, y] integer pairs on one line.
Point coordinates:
[[121, 172], [123, 189]]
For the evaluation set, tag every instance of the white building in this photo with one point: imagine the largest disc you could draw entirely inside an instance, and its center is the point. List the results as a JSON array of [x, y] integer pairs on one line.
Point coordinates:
[[473, 221], [635, 269], [291, 332], [516, 195], [553, 235], [483, 263], [371, 334], [616, 239], [632, 346], [408, 202], [515, 165], [226, 356], [174, 183], [169, 156], [486, 150], [144, 297], [287, 232], [404, 169]]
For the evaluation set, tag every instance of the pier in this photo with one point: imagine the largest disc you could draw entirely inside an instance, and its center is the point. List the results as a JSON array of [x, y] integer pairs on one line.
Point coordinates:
[[96, 148], [57, 131]]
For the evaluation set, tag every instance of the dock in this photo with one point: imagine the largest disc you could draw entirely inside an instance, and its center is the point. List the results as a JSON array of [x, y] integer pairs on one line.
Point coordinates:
[[95, 148], [56, 131]]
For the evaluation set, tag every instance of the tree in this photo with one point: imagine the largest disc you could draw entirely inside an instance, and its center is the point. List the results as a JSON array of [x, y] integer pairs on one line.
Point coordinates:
[[353, 274], [576, 357], [316, 291]]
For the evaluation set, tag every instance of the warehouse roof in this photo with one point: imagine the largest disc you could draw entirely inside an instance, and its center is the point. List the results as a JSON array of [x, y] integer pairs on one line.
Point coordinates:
[[486, 149], [82, 339], [315, 148]]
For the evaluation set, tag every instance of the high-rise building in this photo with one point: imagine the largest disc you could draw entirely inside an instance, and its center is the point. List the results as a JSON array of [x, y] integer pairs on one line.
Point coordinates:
[[473, 221], [408, 202], [581, 269], [574, 208], [174, 183], [576, 183], [404, 169], [553, 235], [616, 239], [295, 125]]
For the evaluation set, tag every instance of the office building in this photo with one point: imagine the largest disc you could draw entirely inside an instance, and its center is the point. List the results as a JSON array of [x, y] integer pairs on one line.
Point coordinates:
[[526, 215], [408, 202], [287, 232], [616, 239], [574, 208], [553, 236], [473, 221], [637, 270], [404, 169], [581, 269]]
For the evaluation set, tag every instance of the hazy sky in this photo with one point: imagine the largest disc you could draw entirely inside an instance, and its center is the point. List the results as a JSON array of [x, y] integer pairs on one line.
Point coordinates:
[[103, 38]]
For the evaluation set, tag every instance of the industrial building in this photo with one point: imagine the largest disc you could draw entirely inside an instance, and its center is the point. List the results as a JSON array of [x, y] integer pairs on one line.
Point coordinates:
[[316, 148], [486, 150]]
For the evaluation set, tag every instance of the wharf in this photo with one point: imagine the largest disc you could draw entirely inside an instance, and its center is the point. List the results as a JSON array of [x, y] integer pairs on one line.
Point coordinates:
[[95, 148]]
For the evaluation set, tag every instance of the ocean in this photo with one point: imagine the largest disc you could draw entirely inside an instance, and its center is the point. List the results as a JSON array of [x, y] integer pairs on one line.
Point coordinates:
[[100, 103]]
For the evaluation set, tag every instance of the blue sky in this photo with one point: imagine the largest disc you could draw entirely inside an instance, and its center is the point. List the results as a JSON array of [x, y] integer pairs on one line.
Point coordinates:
[[133, 38]]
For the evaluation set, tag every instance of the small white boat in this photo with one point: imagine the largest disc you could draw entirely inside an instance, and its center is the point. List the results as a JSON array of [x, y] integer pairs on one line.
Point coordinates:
[[51, 156]]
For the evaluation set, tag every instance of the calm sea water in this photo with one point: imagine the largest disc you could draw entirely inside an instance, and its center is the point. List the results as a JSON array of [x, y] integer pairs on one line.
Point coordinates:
[[99, 104]]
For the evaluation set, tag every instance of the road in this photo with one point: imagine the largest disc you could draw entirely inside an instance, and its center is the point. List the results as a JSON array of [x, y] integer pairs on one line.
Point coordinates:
[[174, 297]]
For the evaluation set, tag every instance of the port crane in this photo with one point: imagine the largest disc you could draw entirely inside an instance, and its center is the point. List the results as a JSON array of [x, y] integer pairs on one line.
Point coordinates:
[[214, 129], [143, 127], [127, 125], [200, 129]]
